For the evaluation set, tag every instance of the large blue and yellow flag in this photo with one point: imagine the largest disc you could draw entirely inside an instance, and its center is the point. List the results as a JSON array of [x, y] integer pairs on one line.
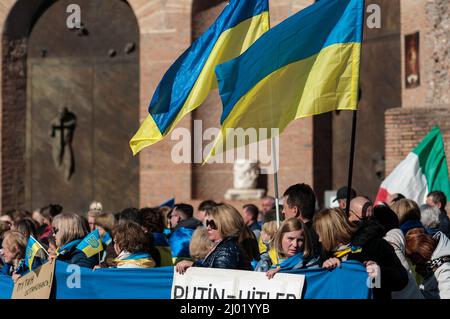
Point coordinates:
[[91, 244], [189, 80], [33, 247], [306, 65]]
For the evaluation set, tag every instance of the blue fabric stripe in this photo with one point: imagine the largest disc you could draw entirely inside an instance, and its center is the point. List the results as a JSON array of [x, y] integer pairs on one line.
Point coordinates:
[[305, 34], [348, 281], [177, 83]]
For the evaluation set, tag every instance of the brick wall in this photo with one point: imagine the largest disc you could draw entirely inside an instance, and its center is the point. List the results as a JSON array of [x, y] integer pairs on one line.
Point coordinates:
[[406, 127]]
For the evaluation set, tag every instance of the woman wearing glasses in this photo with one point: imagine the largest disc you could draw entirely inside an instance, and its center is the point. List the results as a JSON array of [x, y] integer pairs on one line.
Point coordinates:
[[231, 240], [69, 231]]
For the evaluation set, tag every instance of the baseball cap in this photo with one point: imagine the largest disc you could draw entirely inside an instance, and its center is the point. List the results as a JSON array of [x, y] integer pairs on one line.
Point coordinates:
[[342, 193]]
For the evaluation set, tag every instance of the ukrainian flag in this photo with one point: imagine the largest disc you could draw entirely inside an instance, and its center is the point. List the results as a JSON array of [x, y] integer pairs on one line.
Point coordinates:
[[308, 64], [91, 244], [33, 247], [190, 79]]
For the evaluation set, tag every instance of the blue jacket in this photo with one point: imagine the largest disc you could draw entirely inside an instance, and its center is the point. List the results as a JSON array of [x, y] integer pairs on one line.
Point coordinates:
[[70, 254]]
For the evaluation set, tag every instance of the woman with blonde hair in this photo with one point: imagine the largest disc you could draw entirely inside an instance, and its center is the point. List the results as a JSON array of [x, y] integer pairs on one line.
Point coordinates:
[[69, 230], [14, 246], [408, 213], [200, 245], [293, 245], [338, 238], [226, 229]]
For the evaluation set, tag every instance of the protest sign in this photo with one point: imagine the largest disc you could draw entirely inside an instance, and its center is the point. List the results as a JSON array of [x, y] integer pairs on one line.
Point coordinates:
[[210, 283], [37, 284]]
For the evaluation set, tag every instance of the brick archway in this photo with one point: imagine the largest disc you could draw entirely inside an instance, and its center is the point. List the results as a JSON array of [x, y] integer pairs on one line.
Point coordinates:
[[17, 20]]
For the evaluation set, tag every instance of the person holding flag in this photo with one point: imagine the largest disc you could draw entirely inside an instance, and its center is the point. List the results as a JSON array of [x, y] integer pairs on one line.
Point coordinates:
[[69, 232], [14, 245], [187, 83], [34, 254]]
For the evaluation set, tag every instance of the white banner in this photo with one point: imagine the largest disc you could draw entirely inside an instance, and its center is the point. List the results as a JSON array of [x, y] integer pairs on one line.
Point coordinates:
[[211, 283]]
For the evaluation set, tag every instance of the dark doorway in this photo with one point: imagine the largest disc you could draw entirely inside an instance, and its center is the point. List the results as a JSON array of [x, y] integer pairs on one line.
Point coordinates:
[[82, 107]]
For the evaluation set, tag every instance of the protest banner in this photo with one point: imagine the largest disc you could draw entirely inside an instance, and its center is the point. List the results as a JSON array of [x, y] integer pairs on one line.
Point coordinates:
[[208, 283], [37, 284]]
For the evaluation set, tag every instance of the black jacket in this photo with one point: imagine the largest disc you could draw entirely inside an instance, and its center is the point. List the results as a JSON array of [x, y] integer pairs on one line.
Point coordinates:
[[77, 257], [227, 255], [394, 277]]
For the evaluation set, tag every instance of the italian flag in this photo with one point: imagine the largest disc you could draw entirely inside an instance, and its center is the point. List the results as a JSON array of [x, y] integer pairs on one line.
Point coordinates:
[[422, 171]]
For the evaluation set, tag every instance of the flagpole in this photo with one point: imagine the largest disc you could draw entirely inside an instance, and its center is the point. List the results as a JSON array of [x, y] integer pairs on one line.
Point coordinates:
[[352, 155], [275, 180]]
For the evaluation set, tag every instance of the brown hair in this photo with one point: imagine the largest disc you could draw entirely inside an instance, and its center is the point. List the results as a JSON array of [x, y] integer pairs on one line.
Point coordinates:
[[4, 227], [406, 209], [333, 228], [420, 246], [27, 227], [152, 219], [16, 242], [130, 237], [289, 225], [106, 221], [200, 244]]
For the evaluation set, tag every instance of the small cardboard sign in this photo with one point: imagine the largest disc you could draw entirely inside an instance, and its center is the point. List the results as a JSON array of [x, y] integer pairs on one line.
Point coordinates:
[[37, 284]]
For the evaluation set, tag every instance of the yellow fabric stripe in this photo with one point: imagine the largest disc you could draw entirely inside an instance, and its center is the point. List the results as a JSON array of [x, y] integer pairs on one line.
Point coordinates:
[[142, 262], [322, 83], [230, 44]]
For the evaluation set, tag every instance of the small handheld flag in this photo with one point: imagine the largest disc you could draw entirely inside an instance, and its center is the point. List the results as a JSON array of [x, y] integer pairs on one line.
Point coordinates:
[[91, 244], [33, 247]]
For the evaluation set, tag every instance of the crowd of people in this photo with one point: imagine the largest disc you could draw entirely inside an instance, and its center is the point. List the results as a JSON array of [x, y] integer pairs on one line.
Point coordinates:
[[403, 246]]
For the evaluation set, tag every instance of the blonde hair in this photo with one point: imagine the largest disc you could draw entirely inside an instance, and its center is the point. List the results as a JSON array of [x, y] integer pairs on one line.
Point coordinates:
[[333, 228], [165, 210], [270, 229], [200, 244], [406, 209], [289, 225], [96, 206], [16, 242], [106, 221], [70, 226], [228, 220]]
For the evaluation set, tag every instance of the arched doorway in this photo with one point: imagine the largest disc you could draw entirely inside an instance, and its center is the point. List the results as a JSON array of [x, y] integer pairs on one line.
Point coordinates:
[[82, 105]]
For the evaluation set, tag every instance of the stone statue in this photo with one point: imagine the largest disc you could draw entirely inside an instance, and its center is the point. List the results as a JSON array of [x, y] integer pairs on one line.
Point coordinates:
[[245, 181], [62, 132], [245, 174]]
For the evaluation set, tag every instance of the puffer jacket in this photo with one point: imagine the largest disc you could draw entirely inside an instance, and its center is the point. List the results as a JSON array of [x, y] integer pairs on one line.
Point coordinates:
[[396, 238], [437, 285], [226, 255]]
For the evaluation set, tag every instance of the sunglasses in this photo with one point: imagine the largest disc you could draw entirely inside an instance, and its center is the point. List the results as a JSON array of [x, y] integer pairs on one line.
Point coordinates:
[[211, 224]]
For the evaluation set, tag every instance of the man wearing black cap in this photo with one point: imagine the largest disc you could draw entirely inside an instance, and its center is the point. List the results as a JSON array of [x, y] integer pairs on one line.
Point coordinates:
[[341, 196]]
